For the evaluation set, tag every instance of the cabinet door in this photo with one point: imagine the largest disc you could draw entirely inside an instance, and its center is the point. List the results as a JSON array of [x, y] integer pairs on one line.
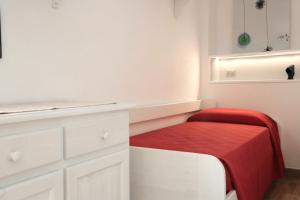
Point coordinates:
[[49, 187], [102, 179]]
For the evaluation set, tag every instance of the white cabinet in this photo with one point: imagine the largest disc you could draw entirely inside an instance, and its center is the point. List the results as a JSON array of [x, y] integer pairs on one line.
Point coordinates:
[[49, 187], [105, 178], [77, 153]]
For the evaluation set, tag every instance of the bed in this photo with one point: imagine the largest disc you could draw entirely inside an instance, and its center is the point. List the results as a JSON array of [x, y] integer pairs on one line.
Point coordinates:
[[219, 154]]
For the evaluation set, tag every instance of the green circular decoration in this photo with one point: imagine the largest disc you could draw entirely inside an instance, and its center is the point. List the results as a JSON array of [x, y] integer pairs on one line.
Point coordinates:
[[244, 39]]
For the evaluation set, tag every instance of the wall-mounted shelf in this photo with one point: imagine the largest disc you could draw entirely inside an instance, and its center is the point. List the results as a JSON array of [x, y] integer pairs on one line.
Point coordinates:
[[255, 67], [256, 55], [255, 81]]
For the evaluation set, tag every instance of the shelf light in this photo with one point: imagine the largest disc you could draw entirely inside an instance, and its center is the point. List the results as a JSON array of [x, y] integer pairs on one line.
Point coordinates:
[[255, 55]]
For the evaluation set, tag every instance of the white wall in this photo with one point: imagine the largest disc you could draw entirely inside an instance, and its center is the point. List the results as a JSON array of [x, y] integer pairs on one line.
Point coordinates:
[[227, 23], [295, 25], [221, 26], [115, 50], [279, 100], [279, 24]]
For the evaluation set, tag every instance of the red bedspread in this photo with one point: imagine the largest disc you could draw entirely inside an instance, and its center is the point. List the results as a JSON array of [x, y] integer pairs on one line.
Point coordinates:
[[248, 150]]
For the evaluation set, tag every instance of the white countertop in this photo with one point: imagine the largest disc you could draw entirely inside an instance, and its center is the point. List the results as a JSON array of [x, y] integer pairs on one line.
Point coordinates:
[[14, 113]]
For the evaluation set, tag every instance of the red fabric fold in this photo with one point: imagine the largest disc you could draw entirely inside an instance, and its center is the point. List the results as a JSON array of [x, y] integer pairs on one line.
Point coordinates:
[[250, 117]]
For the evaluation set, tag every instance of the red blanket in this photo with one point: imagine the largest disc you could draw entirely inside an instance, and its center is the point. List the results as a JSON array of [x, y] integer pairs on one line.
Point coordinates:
[[244, 144], [241, 116]]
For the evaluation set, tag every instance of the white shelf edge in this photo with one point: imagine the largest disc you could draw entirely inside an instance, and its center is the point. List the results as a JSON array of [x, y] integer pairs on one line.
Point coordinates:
[[151, 112], [254, 81], [254, 55], [59, 113]]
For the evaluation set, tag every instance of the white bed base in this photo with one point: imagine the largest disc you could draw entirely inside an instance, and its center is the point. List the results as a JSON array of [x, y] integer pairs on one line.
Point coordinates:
[[170, 175]]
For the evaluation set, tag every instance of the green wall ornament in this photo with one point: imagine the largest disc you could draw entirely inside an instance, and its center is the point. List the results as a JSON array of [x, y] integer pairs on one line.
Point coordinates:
[[244, 39]]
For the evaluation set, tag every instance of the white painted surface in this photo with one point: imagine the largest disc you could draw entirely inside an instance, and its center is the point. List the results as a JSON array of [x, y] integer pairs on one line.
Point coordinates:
[[57, 113], [295, 25], [232, 196], [99, 50], [148, 118], [152, 112], [32, 149], [29, 150], [48, 187], [105, 131], [279, 100], [279, 16], [179, 6], [159, 174], [46, 106], [105, 178], [144, 127], [227, 23], [221, 26]]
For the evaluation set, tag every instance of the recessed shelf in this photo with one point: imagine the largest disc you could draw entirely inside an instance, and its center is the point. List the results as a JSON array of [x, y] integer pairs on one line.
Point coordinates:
[[255, 55], [254, 81], [255, 68]]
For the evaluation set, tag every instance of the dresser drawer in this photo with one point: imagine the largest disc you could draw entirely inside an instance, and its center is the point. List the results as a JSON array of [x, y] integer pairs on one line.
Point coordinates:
[[26, 151], [100, 134], [47, 187]]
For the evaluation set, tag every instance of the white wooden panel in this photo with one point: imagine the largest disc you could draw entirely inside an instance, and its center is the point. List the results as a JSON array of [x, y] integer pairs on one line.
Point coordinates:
[[103, 132], [156, 124], [211, 178], [146, 113], [105, 178], [83, 109], [49, 187], [159, 174], [29, 150], [232, 195]]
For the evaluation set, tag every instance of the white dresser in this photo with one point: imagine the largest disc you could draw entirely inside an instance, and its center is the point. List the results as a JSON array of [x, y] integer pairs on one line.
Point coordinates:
[[78, 153]]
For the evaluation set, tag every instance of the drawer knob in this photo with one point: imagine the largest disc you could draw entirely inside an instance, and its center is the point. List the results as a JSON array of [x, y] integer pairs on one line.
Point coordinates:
[[15, 156], [105, 136]]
